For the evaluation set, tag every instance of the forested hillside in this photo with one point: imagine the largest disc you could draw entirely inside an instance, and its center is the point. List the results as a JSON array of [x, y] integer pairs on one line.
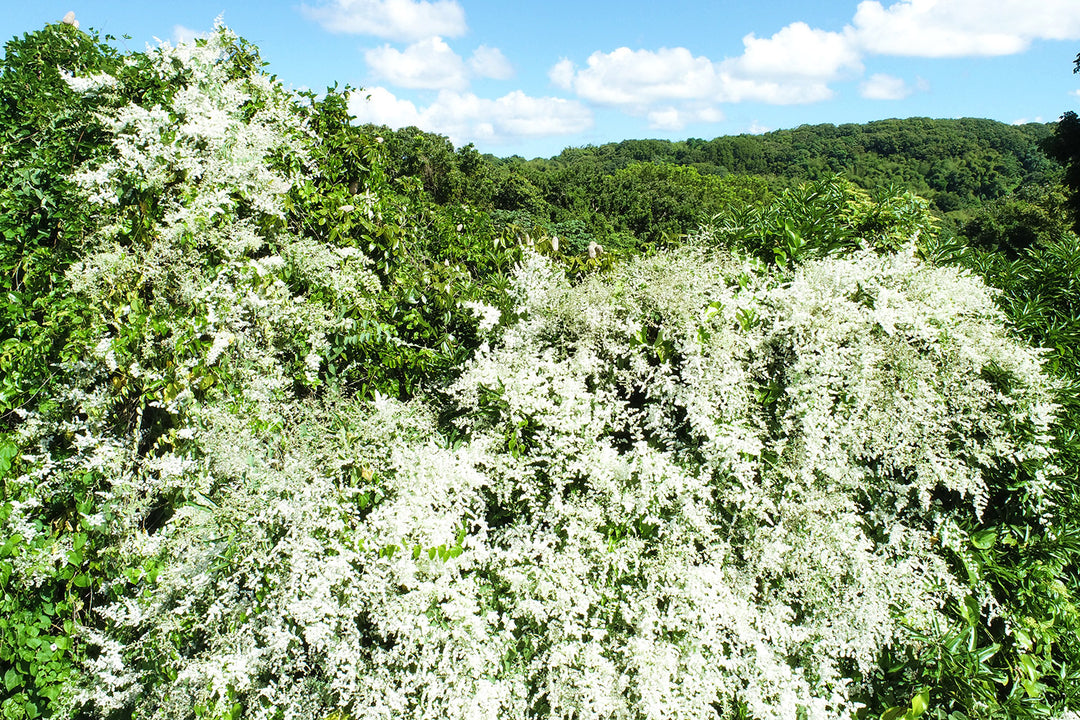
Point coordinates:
[[623, 192], [301, 419], [954, 163]]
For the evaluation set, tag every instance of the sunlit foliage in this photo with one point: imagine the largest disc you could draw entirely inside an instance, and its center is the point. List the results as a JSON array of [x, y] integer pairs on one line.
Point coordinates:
[[293, 430]]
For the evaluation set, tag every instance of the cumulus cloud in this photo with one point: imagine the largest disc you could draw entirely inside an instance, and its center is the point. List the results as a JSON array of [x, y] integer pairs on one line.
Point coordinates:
[[796, 51], [379, 106], [464, 117], [799, 64], [403, 20], [489, 62], [736, 89], [429, 64], [792, 66], [638, 77], [673, 118], [636, 80], [961, 28], [562, 73], [672, 87], [884, 87]]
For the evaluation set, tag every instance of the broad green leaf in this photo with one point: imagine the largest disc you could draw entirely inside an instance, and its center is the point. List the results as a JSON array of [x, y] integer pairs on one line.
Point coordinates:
[[12, 679], [984, 539], [920, 703]]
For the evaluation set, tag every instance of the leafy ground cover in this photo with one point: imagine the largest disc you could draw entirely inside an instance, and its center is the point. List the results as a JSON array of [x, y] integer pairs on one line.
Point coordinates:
[[287, 435]]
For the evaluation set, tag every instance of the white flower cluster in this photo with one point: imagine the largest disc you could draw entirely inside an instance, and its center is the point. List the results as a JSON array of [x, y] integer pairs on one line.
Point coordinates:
[[488, 315], [676, 492], [93, 83], [216, 134], [207, 157]]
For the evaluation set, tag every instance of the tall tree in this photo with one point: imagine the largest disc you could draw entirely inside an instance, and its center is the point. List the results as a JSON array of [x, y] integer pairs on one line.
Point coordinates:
[[1064, 146]]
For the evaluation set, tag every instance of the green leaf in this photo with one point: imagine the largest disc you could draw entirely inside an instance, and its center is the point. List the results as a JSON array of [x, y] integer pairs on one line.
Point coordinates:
[[8, 547], [12, 679], [1030, 668], [1023, 638], [8, 451], [1033, 689], [987, 652], [984, 539], [920, 703], [971, 611], [893, 713]]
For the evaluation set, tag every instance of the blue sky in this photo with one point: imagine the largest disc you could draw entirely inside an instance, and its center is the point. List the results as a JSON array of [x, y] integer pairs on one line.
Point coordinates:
[[532, 78]]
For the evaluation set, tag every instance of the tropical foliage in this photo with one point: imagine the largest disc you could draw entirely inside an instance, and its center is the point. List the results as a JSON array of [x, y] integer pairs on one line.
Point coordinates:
[[310, 420]]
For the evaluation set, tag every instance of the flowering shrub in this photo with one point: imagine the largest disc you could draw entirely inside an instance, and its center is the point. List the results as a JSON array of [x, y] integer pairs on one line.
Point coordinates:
[[665, 497], [314, 456]]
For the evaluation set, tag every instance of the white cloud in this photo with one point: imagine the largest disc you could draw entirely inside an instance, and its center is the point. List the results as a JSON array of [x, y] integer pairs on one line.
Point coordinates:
[[1025, 121], [797, 51], [561, 74], [793, 66], [672, 87], [757, 128], [181, 34], [379, 106], [489, 62], [427, 64], [464, 117], [392, 19], [672, 118], [735, 90], [638, 79], [961, 28], [432, 65], [884, 87], [798, 64]]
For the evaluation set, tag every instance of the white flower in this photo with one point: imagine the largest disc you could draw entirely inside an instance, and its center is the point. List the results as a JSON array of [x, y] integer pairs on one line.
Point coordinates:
[[222, 340], [488, 315], [87, 84], [104, 350]]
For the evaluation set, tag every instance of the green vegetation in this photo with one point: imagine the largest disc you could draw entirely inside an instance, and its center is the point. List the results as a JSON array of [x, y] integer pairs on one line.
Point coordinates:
[[954, 163], [305, 419], [624, 194]]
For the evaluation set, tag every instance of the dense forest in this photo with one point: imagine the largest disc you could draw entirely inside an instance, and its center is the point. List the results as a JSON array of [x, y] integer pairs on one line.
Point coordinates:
[[974, 172], [301, 418], [954, 163]]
